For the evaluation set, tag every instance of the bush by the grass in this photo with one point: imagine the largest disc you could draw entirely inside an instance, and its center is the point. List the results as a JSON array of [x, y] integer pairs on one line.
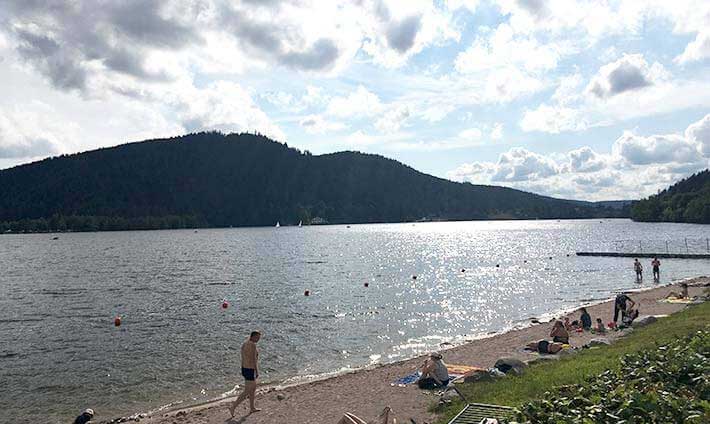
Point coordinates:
[[669, 384]]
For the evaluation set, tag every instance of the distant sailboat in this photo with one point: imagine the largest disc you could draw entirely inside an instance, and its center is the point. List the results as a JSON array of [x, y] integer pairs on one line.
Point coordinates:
[[277, 224], [300, 223]]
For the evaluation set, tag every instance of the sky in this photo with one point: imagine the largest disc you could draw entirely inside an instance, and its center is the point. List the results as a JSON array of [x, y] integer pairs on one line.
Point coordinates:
[[590, 100]]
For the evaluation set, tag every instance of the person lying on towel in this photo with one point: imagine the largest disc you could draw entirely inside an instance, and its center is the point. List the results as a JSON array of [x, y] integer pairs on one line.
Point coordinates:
[[434, 373], [543, 346]]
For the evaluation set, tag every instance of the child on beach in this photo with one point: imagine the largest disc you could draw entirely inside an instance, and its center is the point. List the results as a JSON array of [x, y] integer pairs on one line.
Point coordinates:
[[568, 324], [600, 329]]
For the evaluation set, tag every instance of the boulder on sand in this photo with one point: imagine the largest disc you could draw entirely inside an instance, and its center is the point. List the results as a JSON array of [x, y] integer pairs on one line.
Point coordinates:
[[510, 365], [599, 341], [643, 321]]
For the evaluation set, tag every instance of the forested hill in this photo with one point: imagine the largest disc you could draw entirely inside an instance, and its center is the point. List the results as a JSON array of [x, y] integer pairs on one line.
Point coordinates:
[[212, 179], [686, 201]]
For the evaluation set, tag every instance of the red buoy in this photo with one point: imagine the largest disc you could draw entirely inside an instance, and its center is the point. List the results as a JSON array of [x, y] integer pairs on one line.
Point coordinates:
[[225, 305], [307, 293], [117, 321]]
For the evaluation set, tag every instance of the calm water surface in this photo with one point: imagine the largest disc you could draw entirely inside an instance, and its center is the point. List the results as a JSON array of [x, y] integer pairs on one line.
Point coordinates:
[[60, 353]]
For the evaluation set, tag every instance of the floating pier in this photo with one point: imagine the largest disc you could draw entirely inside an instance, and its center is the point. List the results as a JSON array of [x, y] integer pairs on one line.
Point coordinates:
[[648, 255]]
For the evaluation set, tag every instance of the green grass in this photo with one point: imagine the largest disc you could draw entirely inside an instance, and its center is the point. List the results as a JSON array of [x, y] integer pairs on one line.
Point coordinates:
[[576, 368]]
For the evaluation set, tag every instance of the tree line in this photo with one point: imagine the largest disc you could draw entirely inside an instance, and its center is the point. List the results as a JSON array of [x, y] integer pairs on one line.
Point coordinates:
[[217, 180], [687, 200]]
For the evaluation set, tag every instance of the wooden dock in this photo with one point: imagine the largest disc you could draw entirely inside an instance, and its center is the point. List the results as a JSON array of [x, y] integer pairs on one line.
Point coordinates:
[[648, 255]]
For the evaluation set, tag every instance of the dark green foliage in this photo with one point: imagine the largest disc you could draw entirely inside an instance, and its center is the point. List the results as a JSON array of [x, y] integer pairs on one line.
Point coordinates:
[[212, 179], [686, 201], [670, 384]]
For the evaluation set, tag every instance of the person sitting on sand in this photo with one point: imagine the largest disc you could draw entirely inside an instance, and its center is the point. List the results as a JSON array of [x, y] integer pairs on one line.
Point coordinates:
[[434, 373], [85, 417], [559, 334], [543, 346], [627, 317], [639, 269], [585, 319], [600, 329], [682, 295], [620, 304], [250, 372]]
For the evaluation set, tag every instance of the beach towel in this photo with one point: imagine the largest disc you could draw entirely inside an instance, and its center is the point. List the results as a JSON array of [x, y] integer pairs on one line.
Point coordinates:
[[459, 370], [676, 300], [455, 371], [407, 379]]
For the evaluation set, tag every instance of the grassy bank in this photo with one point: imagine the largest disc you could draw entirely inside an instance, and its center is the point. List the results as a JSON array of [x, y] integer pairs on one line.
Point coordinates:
[[575, 369]]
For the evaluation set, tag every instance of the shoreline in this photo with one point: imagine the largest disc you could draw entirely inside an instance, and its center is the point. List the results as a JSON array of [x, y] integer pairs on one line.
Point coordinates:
[[278, 394]]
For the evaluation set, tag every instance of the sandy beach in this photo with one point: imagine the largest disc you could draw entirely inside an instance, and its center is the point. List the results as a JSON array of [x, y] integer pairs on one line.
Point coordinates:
[[366, 392]]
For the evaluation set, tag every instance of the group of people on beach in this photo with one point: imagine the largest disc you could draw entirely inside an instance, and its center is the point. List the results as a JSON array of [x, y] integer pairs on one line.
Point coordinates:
[[655, 265], [624, 306]]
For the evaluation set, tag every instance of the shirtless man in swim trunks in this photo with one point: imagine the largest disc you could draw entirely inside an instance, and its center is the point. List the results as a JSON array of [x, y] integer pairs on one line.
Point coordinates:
[[250, 371]]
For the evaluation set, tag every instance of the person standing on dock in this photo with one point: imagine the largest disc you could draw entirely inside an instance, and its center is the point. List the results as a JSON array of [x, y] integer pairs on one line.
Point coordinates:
[[620, 305], [250, 372], [639, 269], [656, 264]]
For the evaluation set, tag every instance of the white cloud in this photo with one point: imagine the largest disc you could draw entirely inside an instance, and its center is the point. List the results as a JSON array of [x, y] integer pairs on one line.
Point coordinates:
[[470, 5], [699, 133], [636, 167], [639, 150], [503, 48], [471, 134], [396, 30], [316, 124], [519, 164], [32, 131], [358, 103], [497, 131], [393, 119], [223, 106], [696, 50], [631, 72], [568, 89], [553, 119]]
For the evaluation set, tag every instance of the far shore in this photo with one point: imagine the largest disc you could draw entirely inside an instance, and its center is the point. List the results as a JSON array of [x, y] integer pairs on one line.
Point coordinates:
[[368, 391]]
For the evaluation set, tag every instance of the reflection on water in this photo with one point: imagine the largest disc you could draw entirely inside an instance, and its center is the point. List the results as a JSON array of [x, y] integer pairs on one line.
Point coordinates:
[[60, 352]]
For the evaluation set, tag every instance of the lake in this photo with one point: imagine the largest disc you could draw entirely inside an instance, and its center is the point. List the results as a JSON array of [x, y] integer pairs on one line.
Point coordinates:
[[60, 351]]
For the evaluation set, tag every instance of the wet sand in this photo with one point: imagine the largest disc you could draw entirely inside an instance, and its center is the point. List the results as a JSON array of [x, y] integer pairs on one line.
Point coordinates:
[[366, 392]]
